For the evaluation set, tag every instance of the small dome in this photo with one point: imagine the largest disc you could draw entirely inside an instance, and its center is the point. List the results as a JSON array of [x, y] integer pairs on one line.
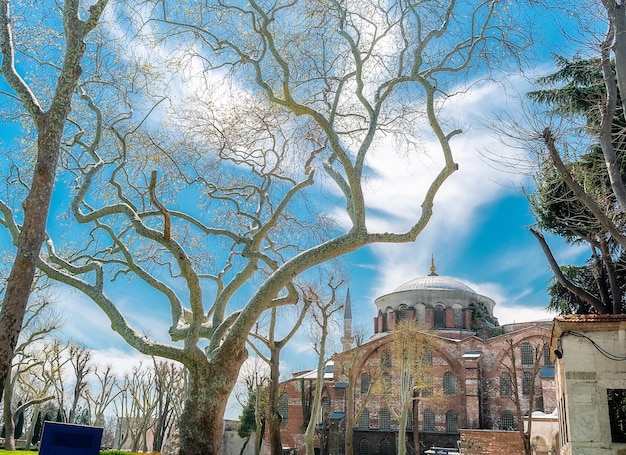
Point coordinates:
[[434, 282]]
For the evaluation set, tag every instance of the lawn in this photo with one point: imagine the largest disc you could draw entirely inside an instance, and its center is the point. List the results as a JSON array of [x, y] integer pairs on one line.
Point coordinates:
[[18, 452]]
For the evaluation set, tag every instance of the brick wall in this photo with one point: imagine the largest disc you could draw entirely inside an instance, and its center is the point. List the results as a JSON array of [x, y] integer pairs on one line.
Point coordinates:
[[489, 442]]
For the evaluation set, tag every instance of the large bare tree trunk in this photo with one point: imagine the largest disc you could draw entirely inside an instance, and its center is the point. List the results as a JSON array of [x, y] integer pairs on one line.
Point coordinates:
[[202, 420], [50, 125], [274, 418]]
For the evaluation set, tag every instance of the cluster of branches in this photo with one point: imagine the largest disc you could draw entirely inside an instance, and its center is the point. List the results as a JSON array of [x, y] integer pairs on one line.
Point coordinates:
[[314, 89], [59, 381], [581, 191]]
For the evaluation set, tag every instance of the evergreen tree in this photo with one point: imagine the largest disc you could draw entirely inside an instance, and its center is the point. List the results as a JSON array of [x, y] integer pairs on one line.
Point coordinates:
[[577, 90], [19, 424], [38, 422]]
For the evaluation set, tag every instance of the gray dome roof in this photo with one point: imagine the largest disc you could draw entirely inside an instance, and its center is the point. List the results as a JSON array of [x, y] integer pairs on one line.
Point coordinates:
[[434, 282]]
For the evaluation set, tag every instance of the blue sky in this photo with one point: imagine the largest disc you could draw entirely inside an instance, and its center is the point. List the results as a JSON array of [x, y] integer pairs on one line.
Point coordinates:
[[478, 233]]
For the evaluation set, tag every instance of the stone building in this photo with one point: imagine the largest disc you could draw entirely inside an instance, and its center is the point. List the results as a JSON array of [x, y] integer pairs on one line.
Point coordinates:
[[590, 363], [466, 362]]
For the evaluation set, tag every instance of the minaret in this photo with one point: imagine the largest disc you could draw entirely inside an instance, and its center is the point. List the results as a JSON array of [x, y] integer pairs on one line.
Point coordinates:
[[347, 339]]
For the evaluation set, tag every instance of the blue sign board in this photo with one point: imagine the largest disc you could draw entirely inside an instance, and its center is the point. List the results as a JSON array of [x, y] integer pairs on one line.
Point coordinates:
[[67, 439]]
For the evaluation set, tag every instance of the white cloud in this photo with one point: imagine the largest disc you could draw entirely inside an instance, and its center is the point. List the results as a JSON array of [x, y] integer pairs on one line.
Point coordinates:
[[518, 313]]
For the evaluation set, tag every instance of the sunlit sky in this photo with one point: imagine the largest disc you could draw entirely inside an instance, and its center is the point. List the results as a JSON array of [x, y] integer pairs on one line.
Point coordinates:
[[478, 233]]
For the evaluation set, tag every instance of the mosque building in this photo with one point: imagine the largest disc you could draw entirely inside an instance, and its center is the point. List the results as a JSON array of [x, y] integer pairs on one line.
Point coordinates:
[[472, 383]]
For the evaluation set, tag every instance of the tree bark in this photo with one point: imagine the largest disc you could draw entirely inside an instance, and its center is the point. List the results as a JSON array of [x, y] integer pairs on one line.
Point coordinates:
[[50, 125], [210, 385], [274, 418]]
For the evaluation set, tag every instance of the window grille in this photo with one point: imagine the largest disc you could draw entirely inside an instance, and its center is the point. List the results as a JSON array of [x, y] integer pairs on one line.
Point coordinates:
[[385, 448], [364, 419], [325, 406], [366, 381], [439, 317], [283, 408], [506, 385], [507, 422], [526, 381], [402, 312], [449, 384], [617, 414], [527, 354], [364, 447], [429, 420], [451, 422], [546, 355], [384, 419]]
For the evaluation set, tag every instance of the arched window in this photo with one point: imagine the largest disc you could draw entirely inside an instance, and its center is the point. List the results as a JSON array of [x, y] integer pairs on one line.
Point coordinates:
[[507, 422], [420, 313], [451, 422], [458, 316], [385, 448], [283, 408], [384, 419], [364, 419], [366, 381], [449, 384], [383, 316], [439, 317], [402, 312], [385, 358], [429, 420], [527, 354], [546, 355], [526, 381], [325, 406], [506, 385], [364, 447]]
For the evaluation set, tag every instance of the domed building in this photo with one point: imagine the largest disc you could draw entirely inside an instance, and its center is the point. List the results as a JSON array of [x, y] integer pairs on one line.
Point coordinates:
[[473, 373], [437, 302]]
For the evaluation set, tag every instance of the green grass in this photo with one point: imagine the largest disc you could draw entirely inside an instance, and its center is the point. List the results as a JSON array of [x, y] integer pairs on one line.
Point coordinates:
[[18, 452]]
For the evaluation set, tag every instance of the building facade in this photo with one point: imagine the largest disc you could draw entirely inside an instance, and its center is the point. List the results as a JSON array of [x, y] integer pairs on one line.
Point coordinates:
[[590, 362], [472, 371]]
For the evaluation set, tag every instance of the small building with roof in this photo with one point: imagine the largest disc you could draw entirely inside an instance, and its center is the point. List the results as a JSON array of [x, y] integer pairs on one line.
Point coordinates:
[[589, 354]]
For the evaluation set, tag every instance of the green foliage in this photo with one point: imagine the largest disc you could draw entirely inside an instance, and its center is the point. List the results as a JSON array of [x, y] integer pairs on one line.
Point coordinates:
[[577, 89], [37, 430], [564, 302], [582, 88], [19, 425], [247, 423]]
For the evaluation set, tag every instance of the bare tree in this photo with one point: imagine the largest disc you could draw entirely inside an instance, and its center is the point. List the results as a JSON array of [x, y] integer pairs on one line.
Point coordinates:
[[49, 124], [301, 110], [523, 386], [410, 351], [170, 390], [273, 418], [351, 368], [136, 407], [25, 385], [322, 314], [80, 359], [107, 392]]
